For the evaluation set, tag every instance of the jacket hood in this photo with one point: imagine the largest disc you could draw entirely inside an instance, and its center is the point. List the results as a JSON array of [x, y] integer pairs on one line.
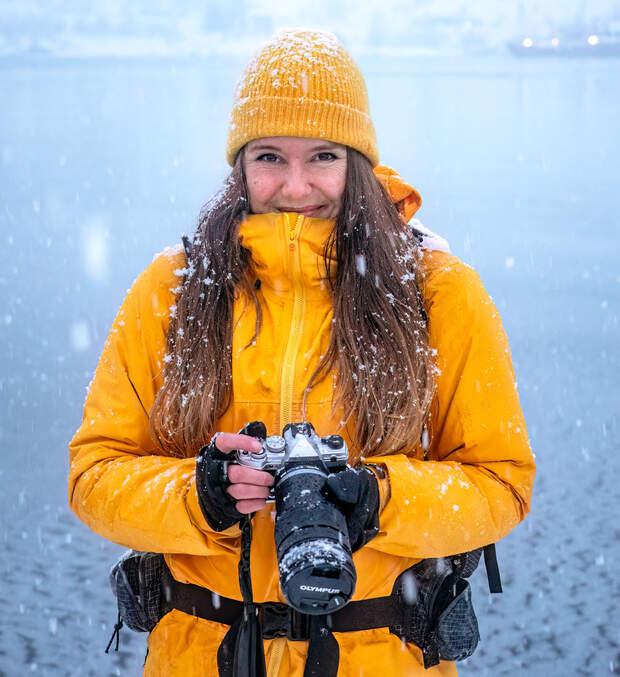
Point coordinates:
[[406, 197]]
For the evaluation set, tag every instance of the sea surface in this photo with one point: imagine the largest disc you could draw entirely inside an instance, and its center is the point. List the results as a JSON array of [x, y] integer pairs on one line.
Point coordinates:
[[104, 163]]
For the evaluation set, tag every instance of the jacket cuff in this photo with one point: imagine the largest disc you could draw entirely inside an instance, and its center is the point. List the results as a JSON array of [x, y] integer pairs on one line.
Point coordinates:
[[197, 518], [380, 472]]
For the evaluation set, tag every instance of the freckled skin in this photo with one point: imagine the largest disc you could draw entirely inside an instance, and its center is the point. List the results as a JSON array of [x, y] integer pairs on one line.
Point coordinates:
[[293, 174]]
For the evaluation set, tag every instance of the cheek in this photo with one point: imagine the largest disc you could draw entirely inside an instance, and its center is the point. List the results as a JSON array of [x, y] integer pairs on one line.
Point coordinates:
[[260, 190], [336, 186]]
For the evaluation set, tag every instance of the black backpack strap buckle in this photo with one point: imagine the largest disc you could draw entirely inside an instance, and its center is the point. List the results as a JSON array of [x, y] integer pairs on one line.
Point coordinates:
[[281, 620]]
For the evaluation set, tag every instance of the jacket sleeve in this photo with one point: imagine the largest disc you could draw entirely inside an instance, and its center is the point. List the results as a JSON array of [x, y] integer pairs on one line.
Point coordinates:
[[479, 485], [119, 483]]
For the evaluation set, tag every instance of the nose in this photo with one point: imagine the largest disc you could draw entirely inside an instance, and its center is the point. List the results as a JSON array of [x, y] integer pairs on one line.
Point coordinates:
[[296, 184]]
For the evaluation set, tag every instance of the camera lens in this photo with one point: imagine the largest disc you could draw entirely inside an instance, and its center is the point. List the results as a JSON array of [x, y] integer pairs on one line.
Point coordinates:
[[317, 574]]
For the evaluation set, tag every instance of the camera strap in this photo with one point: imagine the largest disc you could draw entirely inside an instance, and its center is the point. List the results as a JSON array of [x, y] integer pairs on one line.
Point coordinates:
[[323, 650], [241, 653]]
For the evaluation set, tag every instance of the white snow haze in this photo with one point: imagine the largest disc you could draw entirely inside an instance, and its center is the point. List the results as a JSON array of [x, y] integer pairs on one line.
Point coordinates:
[[112, 136]]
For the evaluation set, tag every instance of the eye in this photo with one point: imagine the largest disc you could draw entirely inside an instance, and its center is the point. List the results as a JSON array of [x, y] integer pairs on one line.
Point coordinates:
[[267, 157], [326, 156]]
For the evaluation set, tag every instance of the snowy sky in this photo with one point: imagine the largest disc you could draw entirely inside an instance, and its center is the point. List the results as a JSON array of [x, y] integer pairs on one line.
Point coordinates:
[[163, 26]]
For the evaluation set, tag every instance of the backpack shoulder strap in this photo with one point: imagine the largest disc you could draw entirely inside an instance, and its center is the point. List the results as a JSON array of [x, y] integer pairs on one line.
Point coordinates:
[[490, 562], [187, 245], [464, 565], [428, 240]]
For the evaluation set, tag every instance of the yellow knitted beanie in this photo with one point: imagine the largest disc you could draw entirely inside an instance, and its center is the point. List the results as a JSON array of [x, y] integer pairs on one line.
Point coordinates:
[[302, 83]]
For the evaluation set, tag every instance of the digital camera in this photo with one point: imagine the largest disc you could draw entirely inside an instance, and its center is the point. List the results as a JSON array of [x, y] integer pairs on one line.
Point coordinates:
[[317, 575]]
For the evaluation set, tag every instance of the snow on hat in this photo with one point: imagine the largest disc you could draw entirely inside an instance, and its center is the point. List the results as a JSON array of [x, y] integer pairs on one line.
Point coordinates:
[[302, 83]]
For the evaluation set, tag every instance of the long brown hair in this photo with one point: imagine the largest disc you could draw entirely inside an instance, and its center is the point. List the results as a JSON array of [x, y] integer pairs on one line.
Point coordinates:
[[378, 347]]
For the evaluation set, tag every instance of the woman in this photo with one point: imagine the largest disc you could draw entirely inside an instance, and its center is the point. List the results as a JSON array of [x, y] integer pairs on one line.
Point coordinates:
[[306, 296]]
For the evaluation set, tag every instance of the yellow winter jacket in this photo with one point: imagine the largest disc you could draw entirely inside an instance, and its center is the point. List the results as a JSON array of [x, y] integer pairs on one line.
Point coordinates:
[[476, 490]]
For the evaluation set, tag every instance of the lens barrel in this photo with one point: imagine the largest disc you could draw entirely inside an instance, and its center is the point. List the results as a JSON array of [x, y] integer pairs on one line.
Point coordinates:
[[317, 574]]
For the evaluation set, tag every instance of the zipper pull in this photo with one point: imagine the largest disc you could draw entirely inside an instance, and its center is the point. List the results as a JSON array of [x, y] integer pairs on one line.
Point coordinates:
[[292, 233]]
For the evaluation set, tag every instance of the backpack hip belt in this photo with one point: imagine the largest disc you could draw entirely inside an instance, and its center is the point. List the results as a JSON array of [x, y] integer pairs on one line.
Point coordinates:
[[424, 608], [430, 606]]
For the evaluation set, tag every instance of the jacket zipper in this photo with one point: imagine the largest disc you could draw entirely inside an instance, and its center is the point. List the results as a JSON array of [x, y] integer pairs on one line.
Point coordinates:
[[287, 382], [287, 379]]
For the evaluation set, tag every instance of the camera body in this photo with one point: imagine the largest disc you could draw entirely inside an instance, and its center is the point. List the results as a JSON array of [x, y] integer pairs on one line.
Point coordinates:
[[317, 575], [298, 444]]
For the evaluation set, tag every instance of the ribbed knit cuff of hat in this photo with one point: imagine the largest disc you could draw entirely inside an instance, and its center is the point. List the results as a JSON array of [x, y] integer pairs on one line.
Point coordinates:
[[262, 117]]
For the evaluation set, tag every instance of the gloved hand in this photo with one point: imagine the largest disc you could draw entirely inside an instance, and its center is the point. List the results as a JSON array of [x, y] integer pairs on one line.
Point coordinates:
[[226, 492], [356, 492]]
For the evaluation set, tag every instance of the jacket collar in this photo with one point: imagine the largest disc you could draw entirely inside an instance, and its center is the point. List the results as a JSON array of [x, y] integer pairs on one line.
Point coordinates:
[[282, 267], [287, 250]]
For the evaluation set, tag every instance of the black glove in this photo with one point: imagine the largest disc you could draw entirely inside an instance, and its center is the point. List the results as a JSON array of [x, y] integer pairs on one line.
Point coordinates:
[[356, 492], [217, 505]]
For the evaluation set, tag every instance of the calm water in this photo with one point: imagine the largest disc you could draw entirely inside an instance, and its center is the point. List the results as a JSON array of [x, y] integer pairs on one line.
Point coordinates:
[[102, 164]]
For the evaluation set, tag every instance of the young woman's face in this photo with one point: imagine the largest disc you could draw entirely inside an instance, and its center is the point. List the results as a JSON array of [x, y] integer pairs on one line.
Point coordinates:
[[294, 174]]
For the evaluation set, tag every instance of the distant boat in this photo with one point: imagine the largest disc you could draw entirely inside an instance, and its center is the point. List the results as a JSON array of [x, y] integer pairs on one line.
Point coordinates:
[[601, 45]]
